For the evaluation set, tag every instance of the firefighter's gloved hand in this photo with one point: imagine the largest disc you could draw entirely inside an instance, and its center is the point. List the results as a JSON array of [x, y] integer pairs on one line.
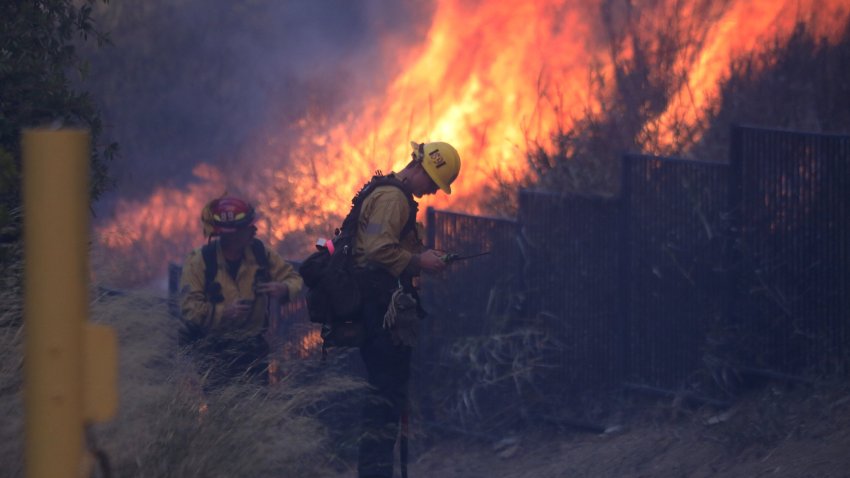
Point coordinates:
[[278, 289], [236, 310], [431, 261]]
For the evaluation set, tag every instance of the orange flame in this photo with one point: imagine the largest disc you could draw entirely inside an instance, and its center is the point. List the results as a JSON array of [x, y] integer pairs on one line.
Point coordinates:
[[311, 341], [743, 27], [490, 77]]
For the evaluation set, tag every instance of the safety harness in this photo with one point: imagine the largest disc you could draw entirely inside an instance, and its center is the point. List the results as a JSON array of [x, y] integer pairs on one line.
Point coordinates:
[[212, 289]]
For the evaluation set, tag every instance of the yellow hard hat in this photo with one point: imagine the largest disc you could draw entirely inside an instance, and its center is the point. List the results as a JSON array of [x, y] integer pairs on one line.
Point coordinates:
[[440, 161]]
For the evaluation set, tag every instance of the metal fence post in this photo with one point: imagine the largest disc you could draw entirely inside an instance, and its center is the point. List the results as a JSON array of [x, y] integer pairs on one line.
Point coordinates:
[[431, 227], [735, 225], [625, 266]]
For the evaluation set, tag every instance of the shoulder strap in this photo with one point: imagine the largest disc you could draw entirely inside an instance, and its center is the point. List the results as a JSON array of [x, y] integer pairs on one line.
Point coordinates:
[[349, 225], [210, 264], [211, 288], [259, 250], [414, 206]]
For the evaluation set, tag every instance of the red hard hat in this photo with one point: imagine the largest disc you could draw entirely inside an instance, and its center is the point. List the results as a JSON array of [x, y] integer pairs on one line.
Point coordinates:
[[228, 214]]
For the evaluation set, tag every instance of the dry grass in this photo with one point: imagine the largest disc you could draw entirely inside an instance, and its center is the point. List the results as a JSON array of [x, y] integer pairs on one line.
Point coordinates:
[[11, 358], [11, 427], [780, 430], [246, 430], [498, 379]]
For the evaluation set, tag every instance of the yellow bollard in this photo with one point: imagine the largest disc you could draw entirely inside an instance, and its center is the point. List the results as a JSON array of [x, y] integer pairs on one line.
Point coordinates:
[[69, 365]]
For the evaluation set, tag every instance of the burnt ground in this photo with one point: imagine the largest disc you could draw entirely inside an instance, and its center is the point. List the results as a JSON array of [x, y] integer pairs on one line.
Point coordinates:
[[774, 431]]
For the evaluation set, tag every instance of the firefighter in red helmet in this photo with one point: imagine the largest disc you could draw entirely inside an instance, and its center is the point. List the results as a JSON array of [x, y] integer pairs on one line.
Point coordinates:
[[229, 289]]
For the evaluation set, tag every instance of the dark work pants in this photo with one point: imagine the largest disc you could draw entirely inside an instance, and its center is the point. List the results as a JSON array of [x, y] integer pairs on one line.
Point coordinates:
[[388, 370]]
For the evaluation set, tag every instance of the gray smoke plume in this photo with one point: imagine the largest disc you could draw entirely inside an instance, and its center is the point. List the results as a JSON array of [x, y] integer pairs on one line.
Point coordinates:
[[189, 81]]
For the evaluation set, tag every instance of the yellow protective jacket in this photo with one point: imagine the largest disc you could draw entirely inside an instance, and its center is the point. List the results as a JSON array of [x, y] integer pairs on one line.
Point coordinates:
[[196, 308], [383, 215]]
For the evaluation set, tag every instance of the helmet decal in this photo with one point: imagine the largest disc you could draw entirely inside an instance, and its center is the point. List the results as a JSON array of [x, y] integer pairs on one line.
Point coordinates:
[[439, 162]]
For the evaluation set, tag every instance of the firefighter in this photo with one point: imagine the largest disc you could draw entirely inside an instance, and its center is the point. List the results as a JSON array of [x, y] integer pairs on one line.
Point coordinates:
[[229, 291], [388, 248]]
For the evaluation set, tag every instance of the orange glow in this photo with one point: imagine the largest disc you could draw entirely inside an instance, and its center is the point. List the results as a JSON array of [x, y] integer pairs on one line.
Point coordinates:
[[311, 341], [274, 371], [489, 77], [744, 27], [303, 348]]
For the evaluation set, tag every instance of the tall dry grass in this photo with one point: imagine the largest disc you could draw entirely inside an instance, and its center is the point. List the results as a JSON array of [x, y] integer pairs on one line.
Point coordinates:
[[11, 358], [246, 430]]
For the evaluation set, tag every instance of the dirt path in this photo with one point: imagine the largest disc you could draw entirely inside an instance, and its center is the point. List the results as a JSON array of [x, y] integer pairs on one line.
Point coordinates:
[[774, 433]]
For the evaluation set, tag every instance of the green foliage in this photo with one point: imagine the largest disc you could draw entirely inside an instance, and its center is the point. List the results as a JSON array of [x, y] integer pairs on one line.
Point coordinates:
[[38, 66]]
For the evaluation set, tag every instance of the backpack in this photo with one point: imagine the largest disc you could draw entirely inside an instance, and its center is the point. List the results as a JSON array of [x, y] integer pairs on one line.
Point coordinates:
[[191, 332], [333, 297]]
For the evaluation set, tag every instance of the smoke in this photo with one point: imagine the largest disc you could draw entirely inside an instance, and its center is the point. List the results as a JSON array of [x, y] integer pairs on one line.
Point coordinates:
[[293, 105], [194, 81]]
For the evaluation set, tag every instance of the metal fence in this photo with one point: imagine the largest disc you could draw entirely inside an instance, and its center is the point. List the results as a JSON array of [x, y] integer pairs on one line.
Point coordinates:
[[696, 268], [571, 274], [466, 303], [792, 192], [471, 291], [672, 240]]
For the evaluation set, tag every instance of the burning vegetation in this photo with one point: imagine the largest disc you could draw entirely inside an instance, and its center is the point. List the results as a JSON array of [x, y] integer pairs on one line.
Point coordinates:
[[548, 92], [545, 93]]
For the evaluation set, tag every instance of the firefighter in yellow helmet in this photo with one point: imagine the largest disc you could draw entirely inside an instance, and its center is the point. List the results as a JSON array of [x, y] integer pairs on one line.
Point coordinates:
[[389, 251], [440, 161], [229, 290]]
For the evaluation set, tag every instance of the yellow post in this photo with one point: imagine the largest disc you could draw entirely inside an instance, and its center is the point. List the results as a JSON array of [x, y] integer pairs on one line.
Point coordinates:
[[59, 345]]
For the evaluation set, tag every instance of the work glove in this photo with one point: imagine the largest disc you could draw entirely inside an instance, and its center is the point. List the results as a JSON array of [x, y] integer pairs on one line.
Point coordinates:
[[402, 318]]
